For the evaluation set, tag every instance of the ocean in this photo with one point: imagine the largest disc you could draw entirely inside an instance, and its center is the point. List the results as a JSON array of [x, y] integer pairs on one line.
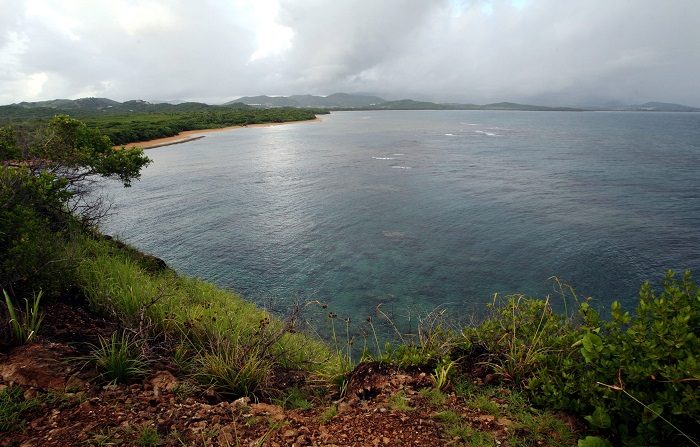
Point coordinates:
[[418, 210]]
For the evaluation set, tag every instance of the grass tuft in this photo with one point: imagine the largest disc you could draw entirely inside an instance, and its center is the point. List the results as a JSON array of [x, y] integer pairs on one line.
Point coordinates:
[[295, 399], [148, 436], [328, 414], [13, 405], [400, 402], [118, 358], [25, 324]]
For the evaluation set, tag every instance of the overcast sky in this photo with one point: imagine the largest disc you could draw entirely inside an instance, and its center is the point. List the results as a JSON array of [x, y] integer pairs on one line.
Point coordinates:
[[539, 51]]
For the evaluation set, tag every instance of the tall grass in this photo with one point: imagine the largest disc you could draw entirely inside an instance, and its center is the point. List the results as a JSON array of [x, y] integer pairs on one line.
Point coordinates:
[[118, 358], [24, 324], [234, 344]]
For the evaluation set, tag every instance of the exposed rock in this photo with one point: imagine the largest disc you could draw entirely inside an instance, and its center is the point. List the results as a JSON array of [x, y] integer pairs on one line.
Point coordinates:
[[38, 365], [163, 381]]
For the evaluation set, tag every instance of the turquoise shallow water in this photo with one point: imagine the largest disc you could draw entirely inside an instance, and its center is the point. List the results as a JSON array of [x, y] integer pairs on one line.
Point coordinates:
[[416, 209]]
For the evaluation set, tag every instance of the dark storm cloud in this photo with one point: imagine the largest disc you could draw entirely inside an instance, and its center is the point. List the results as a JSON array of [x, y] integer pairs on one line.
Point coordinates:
[[473, 51]]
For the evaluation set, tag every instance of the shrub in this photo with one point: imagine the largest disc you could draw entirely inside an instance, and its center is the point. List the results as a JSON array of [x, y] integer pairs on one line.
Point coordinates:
[[640, 373], [635, 376], [523, 337]]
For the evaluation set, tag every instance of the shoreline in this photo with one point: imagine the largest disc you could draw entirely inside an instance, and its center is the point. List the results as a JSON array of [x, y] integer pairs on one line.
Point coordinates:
[[191, 135]]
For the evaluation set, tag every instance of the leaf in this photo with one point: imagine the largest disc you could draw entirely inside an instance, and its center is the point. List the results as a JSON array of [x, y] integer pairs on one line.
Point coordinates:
[[593, 441], [652, 411], [600, 418], [592, 346]]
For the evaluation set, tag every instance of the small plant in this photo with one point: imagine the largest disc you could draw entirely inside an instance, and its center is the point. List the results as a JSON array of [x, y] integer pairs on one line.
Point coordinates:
[[118, 358], [102, 437], [400, 402], [483, 403], [148, 436], [25, 324], [183, 390], [405, 356], [463, 387], [538, 428], [593, 441], [434, 396], [441, 374], [448, 417], [295, 399], [182, 357], [12, 407], [521, 334], [328, 414], [232, 368], [473, 437], [252, 421], [456, 427]]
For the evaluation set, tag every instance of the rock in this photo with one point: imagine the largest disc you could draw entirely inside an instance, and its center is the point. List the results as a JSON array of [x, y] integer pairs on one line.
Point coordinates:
[[241, 402], [163, 381], [38, 365], [273, 411], [211, 396], [75, 383], [505, 422], [487, 418], [30, 394]]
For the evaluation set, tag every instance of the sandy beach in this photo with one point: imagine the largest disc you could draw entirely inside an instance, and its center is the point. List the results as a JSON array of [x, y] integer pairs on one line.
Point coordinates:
[[192, 135]]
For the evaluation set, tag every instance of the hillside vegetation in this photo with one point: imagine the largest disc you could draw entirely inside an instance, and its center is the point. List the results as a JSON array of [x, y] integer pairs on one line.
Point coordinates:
[[627, 378], [134, 121]]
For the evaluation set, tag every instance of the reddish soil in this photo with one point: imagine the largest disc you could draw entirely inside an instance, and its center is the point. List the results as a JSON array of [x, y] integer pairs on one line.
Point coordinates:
[[83, 411]]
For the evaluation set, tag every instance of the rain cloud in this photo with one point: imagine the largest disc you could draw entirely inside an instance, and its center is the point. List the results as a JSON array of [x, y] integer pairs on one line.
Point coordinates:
[[579, 52]]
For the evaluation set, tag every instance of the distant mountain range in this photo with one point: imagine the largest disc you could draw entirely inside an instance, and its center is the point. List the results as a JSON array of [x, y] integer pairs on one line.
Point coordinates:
[[345, 101], [338, 101], [335, 100]]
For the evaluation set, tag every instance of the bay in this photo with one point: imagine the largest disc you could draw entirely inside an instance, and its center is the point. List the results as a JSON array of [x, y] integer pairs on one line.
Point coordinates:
[[419, 209]]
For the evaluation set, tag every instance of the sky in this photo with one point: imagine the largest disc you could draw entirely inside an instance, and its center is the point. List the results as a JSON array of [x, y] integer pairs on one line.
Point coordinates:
[[552, 52]]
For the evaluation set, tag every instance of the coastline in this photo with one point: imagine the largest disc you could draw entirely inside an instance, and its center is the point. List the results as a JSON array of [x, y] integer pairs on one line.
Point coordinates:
[[192, 135]]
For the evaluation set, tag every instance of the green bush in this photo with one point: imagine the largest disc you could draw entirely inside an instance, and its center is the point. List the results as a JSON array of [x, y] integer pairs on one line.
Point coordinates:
[[640, 373], [635, 376], [523, 336], [30, 229], [45, 175]]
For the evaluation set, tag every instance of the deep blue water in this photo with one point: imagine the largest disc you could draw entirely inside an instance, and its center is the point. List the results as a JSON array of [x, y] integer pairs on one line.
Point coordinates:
[[416, 209]]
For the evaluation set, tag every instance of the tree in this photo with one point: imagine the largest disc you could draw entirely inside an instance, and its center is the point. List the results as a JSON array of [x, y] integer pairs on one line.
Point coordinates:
[[46, 182]]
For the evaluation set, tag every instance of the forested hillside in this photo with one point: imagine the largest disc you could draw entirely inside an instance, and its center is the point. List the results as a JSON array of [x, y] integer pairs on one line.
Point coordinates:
[[132, 121]]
